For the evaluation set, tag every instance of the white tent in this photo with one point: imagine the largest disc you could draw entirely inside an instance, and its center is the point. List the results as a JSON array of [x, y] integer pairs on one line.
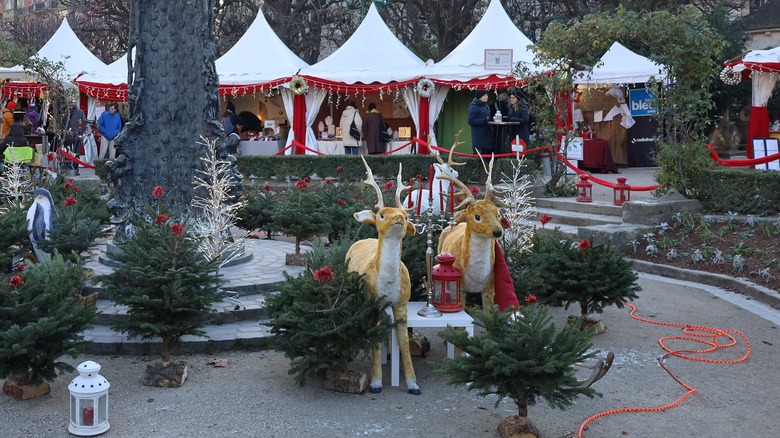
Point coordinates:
[[65, 46], [487, 54], [258, 59], [621, 66]]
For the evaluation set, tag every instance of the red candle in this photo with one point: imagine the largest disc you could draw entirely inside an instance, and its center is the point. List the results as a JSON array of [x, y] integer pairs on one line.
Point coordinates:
[[452, 198], [419, 198], [88, 416], [430, 181], [441, 198], [411, 184]]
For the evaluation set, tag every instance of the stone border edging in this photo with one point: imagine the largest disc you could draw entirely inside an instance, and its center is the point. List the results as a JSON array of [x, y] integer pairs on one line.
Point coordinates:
[[739, 285]]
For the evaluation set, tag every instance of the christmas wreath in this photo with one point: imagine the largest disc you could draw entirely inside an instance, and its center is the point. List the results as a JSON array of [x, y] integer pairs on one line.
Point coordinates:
[[425, 87], [730, 76], [298, 85]]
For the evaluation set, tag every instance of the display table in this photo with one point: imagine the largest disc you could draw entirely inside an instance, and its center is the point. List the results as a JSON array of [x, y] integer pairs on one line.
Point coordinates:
[[260, 147], [458, 319], [336, 147], [597, 156], [499, 140]]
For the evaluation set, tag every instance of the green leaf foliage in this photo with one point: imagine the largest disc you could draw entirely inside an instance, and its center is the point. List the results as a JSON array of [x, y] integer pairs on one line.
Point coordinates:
[[300, 214], [257, 212], [13, 222], [323, 325], [41, 322], [524, 359], [166, 282]]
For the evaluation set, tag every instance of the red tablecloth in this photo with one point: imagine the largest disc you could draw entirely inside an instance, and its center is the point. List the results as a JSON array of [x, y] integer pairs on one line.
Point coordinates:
[[597, 156]]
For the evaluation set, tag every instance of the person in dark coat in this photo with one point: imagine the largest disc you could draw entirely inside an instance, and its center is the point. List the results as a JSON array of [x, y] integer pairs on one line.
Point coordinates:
[[479, 116], [373, 125], [14, 138], [521, 113]]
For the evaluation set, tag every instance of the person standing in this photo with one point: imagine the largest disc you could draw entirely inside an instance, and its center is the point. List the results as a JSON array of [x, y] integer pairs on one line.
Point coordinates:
[[8, 118], [478, 118], [32, 120], [349, 115], [109, 124], [372, 130], [521, 113]]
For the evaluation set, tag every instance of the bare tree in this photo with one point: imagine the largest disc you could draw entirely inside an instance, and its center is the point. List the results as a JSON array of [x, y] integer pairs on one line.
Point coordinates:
[[32, 31]]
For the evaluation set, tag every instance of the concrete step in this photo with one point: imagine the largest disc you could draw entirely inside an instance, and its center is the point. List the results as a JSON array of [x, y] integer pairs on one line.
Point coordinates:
[[571, 204], [576, 218]]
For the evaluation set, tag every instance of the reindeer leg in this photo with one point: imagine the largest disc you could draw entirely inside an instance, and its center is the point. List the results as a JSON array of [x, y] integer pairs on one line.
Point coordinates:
[[376, 370], [402, 332]]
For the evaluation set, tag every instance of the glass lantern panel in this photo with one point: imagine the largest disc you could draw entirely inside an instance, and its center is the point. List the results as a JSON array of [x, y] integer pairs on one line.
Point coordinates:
[[437, 291], [87, 412], [73, 405], [451, 292], [102, 409]]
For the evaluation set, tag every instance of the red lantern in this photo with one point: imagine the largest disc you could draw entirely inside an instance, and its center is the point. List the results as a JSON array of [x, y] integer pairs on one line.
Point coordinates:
[[446, 284], [584, 189], [622, 191]]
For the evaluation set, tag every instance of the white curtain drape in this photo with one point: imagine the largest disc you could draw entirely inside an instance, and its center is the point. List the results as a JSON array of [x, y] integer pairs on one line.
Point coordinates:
[[314, 99], [434, 109], [763, 84], [413, 105], [92, 104]]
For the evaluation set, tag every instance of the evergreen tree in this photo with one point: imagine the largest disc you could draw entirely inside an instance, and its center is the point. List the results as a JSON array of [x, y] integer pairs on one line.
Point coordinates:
[[523, 359], [300, 214], [40, 321], [166, 282], [257, 211], [325, 317]]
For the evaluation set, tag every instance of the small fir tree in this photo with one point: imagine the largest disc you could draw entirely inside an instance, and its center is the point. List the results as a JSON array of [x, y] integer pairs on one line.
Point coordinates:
[[257, 211], [338, 205], [325, 317], [522, 358], [166, 282], [593, 276], [300, 214], [40, 321]]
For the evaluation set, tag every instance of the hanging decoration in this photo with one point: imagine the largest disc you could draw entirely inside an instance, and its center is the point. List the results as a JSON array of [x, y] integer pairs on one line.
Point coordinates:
[[298, 85], [730, 76], [425, 87]]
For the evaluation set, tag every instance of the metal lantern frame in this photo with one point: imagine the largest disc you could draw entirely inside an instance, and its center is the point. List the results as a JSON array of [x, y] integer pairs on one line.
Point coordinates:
[[88, 401], [622, 191], [584, 189], [446, 284]]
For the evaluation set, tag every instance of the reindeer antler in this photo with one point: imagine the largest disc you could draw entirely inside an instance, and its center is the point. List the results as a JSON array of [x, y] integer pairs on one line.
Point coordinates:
[[489, 189], [455, 143], [468, 198], [370, 181], [400, 189]]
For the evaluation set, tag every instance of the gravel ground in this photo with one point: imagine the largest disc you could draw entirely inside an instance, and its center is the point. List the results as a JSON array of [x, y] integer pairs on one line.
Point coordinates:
[[254, 397]]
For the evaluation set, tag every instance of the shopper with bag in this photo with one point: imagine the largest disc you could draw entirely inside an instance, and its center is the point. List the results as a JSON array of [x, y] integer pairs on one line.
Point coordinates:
[[351, 129]]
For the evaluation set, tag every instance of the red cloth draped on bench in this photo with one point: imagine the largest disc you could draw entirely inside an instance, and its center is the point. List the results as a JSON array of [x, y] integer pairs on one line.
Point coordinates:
[[596, 155]]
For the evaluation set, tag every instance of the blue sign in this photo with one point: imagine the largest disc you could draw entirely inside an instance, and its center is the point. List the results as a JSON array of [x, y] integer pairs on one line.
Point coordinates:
[[641, 102]]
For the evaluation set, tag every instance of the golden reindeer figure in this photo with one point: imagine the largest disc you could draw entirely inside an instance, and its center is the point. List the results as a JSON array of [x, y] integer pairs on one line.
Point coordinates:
[[471, 240], [379, 260]]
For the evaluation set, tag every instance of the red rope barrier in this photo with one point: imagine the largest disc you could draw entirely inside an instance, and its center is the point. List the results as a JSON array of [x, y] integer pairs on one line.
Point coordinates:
[[704, 335], [397, 149], [74, 159], [295, 143], [750, 162]]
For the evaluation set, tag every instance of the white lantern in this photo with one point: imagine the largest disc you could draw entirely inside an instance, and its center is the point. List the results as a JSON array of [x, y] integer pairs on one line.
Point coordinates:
[[88, 401]]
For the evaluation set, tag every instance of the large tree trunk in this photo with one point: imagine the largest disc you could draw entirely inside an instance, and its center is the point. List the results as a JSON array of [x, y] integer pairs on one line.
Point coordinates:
[[173, 96]]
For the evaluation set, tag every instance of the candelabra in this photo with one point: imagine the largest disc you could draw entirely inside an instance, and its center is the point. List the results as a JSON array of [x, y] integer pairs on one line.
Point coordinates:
[[425, 222]]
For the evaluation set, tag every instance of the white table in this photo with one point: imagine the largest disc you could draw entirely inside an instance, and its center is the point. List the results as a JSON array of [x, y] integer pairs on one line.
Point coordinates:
[[457, 319], [336, 147], [260, 147]]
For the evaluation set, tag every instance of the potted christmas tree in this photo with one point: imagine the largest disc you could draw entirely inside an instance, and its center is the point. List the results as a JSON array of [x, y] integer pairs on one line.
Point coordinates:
[[168, 286], [592, 276], [39, 323], [520, 357], [300, 214], [325, 318]]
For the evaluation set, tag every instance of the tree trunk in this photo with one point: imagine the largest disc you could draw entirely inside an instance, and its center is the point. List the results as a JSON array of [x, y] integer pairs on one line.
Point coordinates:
[[165, 350], [584, 309], [522, 412], [173, 96]]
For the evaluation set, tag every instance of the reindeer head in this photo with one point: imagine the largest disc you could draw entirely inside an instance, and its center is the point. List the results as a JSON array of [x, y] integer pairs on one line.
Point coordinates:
[[389, 221], [448, 168], [481, 216]]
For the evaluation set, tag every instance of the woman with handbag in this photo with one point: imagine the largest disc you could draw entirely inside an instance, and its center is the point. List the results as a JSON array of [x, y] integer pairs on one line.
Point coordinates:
[[351, 129]]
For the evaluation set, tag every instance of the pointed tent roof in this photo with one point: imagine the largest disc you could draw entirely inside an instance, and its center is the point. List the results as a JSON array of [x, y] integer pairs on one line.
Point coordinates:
[[64, 43], [240, 73], [370, 58], [621, 66], [466, 63]]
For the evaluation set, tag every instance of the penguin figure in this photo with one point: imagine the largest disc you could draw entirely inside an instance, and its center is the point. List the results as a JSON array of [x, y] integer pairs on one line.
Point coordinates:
[[39, 219]]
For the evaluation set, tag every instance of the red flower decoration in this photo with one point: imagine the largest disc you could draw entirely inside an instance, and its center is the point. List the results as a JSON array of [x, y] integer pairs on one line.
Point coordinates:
[[530, 299], [158, 192], [50, 156], [584, 244], [307, 179], [505, 222], [70, 200], [267, 188], [418, 177], [342, 202], [67, 185], [323, 274], [544, 219], [302, 184], [16, 281], [328, 181], [474, 190], [177, 229], [21, 267], [161, 219], [340, 169], [70, 180], [389, 185], [76, 189]]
